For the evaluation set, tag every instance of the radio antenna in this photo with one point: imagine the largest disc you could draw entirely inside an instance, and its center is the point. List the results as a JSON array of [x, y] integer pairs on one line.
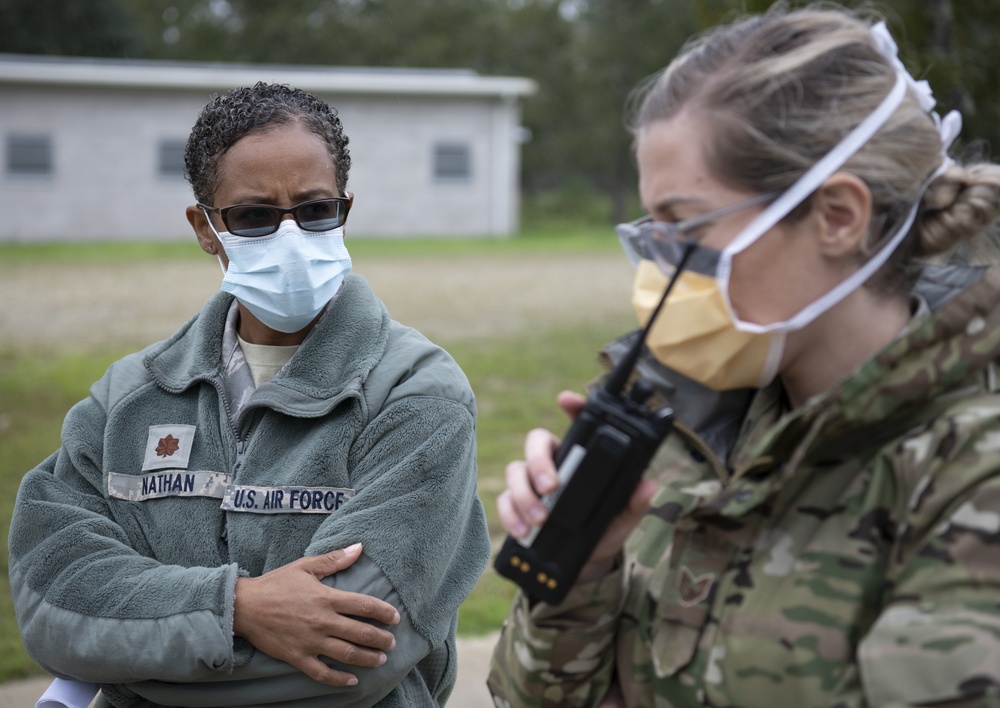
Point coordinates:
[[618, 378]]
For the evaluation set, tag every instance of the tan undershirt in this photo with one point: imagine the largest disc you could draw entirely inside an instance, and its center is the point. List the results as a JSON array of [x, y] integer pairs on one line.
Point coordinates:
[[264, 360]]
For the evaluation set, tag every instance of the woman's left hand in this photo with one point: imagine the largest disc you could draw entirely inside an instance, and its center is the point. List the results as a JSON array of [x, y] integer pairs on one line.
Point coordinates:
[[520, 507], [290, 615]]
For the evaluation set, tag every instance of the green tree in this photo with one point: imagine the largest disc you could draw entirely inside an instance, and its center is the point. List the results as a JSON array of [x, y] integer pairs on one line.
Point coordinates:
[[623, 43], [95, 28], [951, 43], [394, 33], [585, 55]]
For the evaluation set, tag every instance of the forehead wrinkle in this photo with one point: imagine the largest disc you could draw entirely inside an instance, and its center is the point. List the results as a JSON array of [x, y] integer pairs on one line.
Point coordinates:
[[306, 195], [668, 202], [250, 199]]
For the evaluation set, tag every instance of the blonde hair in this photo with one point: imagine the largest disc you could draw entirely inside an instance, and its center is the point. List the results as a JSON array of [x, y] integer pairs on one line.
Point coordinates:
[[782, 89]]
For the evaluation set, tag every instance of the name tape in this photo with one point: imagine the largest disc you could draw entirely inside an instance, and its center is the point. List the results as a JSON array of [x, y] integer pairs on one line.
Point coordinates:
[[169, 483], [235, 497]]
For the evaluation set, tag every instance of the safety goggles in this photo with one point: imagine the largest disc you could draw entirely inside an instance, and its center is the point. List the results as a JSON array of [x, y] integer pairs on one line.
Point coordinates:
[[666, 241], [256, 220]]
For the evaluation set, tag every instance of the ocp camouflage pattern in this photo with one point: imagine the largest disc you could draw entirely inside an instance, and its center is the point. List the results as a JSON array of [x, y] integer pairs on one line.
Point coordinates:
[[848, 555]]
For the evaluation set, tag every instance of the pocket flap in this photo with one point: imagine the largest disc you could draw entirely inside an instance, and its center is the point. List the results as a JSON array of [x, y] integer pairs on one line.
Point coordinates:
[[914, 657]]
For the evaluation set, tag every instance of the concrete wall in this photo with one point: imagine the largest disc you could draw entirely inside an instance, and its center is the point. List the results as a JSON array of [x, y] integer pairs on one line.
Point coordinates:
[[105, 183], [392, 149]]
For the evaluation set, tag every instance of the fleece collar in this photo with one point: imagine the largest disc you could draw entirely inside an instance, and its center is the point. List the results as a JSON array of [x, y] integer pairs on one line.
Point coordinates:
[[332, 363]]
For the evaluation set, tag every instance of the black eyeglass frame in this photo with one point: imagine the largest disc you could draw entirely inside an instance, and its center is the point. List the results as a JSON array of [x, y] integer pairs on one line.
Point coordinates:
[[224, 212]]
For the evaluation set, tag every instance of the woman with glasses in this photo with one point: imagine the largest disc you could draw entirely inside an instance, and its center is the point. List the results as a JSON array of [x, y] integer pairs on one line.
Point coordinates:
[[277, 505], [822, 526]]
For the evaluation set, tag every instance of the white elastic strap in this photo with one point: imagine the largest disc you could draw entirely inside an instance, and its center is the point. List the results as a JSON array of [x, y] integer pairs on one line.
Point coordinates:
[[821, 171], [818, 307], [803, 187], [948, 130], [218, 256]]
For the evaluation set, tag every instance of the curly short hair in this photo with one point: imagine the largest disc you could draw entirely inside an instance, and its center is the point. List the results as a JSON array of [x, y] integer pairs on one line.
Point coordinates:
[[241, 111]]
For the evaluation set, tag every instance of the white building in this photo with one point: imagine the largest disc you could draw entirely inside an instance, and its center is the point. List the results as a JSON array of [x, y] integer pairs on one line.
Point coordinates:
[[92, 149]]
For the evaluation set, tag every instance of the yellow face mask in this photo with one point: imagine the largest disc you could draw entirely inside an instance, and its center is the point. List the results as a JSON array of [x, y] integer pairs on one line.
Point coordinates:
[[694, 334]]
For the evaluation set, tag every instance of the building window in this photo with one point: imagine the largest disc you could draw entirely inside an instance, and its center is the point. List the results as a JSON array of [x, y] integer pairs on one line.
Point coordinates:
[[452, 162], [29, 155], [170, 162]]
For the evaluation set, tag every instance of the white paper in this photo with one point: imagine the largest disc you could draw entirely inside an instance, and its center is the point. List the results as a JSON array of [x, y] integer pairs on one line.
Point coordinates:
[[63, 693]]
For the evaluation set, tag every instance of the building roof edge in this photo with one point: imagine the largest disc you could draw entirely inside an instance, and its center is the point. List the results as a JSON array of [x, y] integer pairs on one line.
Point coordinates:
[[72, 71]]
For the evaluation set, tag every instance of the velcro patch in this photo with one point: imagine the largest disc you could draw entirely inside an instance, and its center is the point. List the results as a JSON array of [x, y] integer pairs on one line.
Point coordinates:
[[169, 483], [168, 447], [285, 500]]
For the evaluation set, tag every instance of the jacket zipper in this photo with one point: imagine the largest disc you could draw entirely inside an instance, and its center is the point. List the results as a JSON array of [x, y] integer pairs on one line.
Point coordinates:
[[240, 447]]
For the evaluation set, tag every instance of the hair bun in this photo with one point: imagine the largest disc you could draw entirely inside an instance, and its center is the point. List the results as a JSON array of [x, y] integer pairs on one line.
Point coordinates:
[[958, 206]]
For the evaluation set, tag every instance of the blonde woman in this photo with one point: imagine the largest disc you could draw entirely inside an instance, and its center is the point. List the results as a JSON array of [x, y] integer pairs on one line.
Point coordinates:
[[822, 528]]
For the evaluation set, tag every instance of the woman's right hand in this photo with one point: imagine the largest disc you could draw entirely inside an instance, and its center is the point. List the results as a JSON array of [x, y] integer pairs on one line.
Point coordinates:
[[520, 507]]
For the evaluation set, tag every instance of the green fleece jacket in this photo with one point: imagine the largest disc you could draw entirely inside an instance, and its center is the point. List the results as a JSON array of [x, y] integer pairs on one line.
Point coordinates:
[[125, 544]]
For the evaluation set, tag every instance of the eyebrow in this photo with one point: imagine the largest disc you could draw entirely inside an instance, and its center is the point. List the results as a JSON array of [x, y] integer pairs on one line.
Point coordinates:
[[301, 197], [667, 206]]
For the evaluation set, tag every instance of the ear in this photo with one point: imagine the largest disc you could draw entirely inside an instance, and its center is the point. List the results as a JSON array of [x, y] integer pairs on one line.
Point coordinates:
[[207, 239], [843, 206]]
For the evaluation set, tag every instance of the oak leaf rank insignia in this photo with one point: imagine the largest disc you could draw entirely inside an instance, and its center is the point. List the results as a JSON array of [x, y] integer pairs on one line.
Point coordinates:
[[167, 446]]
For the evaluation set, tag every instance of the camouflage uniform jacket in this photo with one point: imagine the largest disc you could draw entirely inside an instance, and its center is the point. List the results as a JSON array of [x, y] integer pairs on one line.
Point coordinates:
[[847, 555]]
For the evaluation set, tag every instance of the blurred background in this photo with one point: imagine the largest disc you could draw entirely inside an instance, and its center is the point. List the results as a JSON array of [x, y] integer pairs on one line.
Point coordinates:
[[523, 305], [585, 56]]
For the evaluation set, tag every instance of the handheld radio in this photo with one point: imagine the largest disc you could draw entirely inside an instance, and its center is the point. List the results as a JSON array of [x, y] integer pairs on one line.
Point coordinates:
[[600, 461]]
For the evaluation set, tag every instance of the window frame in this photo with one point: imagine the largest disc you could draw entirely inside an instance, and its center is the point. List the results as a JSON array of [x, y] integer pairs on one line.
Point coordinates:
[[460, 156], [29, 155], [167, 152]]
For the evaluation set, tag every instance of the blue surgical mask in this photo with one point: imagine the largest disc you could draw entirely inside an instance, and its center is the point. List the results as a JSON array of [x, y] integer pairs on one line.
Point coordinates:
[[287, 278]]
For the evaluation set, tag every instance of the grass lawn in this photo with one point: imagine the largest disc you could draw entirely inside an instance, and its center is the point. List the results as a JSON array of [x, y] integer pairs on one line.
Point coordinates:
[[515, 379], [34, 396]]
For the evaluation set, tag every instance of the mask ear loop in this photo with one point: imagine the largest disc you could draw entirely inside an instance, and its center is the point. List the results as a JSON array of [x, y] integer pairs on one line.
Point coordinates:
[[218, 256], [803, 187], [823, 170]]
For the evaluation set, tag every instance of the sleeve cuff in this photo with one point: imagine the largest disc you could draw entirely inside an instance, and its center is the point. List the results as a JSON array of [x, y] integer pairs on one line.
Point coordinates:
[[586, 605], [573, 640]]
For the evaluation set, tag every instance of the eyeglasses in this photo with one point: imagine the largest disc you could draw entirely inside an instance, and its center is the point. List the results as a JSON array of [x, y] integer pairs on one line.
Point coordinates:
[[255, 220], [663, 241]]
